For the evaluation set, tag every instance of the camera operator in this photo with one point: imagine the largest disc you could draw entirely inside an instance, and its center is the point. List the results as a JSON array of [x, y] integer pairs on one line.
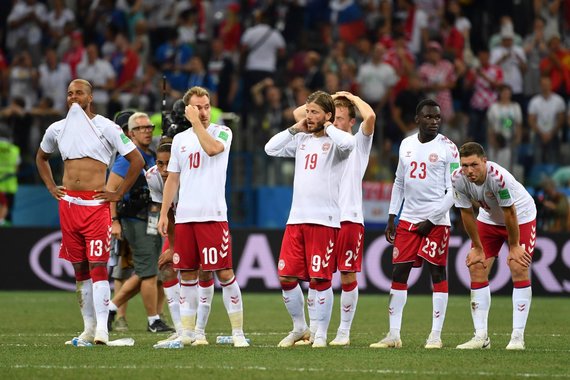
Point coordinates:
[[176, 121], [131, 217]]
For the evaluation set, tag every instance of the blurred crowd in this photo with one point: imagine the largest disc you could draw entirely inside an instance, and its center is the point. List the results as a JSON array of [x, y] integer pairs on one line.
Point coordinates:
[[499, 69]]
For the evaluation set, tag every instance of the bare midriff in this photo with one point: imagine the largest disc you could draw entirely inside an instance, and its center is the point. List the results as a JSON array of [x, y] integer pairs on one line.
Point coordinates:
[[84, 174]]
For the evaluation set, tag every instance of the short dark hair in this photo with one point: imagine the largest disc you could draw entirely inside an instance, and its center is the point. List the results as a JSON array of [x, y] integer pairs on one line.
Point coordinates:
[[323, 100], [472, 148], [426, 103], [343, 102]]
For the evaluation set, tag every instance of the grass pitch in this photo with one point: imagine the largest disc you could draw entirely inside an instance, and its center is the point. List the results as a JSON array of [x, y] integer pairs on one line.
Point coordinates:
[[35, 326]]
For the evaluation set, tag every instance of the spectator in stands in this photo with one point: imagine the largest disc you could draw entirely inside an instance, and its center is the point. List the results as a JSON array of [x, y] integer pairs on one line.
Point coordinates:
[[25, 24], [101, 75], [505, 24], [269, 115], [415, 26], [198, 76], [261, 46], [484, 78], [504, 129], [23, 80], [53, 79], [314, 77], [556, 65], [229, 30], [221, 69], [376, 79], [56, 20], [438, 78], [549, 10], [76, 52], [546, 117], [536, 48], [553, 210], [512, 60], [403, 61], [173, 56], [19, 122], [404, 108]]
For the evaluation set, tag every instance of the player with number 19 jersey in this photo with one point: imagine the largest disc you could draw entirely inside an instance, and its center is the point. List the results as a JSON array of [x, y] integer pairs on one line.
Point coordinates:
[[319, 166], [423, 178]]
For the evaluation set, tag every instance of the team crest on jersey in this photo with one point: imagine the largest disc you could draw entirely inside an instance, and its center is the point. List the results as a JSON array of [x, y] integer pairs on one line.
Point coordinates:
[[176, 258], [302, 147], [395, 253], [281, 264], [433, 157], [326, 147]]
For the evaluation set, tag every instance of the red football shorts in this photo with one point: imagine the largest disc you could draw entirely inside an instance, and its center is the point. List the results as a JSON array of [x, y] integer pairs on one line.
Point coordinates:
[[409, 245], [492, 237], [85, 228], [349, 247], [307, 251], [202, 243]]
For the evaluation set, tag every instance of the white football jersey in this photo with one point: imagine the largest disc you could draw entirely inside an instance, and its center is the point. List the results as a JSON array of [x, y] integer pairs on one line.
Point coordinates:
[[156, 186], [351, 184], [423, 178], [500, 189], [201, 196], [319, 166], [77, 136]]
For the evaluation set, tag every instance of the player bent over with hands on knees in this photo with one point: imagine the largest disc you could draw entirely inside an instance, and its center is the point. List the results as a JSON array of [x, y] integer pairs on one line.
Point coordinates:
[[87, 142], [308, 248], [156, 177], [197, 172], [507, 213], [423, 184], [349, 245]]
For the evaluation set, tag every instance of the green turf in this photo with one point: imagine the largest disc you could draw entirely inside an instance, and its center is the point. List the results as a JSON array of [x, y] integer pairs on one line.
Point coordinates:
[[36, 324]]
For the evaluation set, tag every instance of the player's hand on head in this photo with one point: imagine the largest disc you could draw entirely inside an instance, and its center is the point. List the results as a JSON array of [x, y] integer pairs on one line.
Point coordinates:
[[475, 256]]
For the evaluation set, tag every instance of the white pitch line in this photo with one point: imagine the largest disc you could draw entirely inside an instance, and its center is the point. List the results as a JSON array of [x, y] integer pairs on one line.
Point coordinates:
[[289, 369]]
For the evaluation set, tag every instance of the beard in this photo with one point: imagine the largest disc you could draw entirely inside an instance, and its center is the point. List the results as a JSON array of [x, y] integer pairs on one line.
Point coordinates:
[[317, 127]]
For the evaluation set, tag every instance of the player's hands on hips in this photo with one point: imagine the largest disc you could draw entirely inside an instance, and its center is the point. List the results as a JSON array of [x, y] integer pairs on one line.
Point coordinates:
[[390, 232], [162, 225], [165, 258], [519, 255], [58, 192], [475, 256], [424, 228], [108, 196]]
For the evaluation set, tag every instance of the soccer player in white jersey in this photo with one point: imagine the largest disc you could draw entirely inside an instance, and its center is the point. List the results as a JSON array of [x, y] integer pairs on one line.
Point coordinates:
[[507, 213], [197, 171], [87, 142], [349, 244], [307, 252], [156, 177], [423, 185]]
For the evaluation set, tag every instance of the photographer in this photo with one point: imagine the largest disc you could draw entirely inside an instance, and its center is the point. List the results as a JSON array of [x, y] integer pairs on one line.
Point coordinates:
[[131, 217], [175, 122]]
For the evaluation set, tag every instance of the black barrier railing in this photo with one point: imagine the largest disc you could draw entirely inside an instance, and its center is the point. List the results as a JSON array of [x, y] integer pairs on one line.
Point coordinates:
[[30, 262]]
